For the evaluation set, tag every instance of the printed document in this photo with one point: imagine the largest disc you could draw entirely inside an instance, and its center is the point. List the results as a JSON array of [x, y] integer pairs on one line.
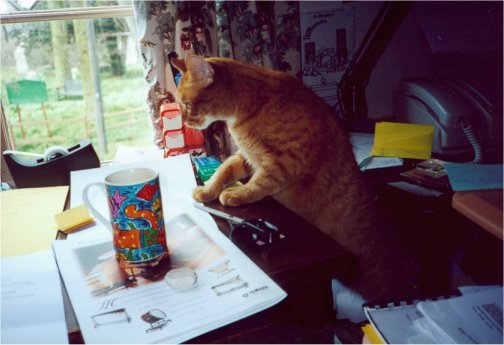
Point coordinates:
[[475, 317], [118, 306], [32, 302], [471, 319], [362, 144], [113, 305]]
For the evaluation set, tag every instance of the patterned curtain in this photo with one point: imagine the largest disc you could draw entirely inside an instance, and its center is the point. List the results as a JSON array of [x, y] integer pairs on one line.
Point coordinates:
[[261, 32]]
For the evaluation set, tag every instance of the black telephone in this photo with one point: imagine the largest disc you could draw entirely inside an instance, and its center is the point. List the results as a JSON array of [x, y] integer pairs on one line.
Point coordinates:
[[464, 119]]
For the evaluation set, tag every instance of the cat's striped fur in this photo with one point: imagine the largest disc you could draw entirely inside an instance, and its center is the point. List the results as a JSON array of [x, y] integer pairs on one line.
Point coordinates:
[[294, 148]]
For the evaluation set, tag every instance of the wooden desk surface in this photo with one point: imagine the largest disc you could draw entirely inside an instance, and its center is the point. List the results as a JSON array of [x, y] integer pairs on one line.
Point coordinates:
[[303, 264], [484, 207], [304, 248]]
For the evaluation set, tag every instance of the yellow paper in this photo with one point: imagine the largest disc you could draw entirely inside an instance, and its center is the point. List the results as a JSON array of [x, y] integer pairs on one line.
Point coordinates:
[[371, 334], [73, 219], [403, 140], [27, 221]]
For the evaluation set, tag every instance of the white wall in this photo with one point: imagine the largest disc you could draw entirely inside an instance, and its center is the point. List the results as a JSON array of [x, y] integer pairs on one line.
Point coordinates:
[[403, 58], [459, 27]]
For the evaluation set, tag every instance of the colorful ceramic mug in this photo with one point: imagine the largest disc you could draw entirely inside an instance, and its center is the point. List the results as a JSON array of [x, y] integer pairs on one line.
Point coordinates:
[[136, 214]]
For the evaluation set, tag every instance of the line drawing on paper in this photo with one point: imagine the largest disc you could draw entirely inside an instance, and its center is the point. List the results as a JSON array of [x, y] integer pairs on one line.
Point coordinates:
[[110, 317], [156, 318], [229, 285], [326, 50]]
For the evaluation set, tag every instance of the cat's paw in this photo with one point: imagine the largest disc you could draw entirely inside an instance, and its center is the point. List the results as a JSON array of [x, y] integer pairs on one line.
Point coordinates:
[[204, 194], [233, 197]]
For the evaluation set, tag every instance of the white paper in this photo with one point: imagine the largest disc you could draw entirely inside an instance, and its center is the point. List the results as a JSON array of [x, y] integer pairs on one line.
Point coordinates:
[[32, 302], [362, 143], [428, 333], [129, 154], [475, 318], [229, 285], [469, 289], [323, 60], [397, 325]]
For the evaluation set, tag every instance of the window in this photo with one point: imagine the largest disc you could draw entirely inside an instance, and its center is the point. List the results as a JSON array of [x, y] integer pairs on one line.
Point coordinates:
[[54, 57]]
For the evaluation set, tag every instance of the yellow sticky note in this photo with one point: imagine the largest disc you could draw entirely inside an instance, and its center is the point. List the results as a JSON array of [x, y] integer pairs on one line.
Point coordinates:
[[370, 333], [73, 219], [403, 140]]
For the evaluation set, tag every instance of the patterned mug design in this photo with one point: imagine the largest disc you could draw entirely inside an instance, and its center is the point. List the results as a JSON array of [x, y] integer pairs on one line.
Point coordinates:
[[136, 215]]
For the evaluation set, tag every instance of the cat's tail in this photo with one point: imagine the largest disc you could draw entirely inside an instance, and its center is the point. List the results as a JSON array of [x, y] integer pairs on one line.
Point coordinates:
[[388, 267]]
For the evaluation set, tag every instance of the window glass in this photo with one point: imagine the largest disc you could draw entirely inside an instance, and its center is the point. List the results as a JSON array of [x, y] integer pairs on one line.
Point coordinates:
[[48, 80], [14, 6]]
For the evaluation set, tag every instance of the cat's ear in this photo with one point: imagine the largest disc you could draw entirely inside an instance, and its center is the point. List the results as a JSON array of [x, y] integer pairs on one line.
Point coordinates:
[[177, 63], [200, 70]]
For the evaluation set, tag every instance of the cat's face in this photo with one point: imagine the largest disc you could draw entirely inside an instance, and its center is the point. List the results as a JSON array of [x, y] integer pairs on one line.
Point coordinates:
[[195, 107], [197, 96]]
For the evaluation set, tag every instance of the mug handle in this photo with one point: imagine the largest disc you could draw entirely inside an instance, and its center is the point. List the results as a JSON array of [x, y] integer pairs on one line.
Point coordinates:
[[97, 214]]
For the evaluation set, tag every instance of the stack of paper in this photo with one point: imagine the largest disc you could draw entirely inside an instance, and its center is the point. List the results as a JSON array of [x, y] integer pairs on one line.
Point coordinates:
[[473, 318], [128, 154], [31, 298], [32, 303], [390, 143], [362, 144]]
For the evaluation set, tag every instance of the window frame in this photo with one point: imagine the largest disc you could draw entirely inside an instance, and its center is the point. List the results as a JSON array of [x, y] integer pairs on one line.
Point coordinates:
[[67, 13], [71, 13]]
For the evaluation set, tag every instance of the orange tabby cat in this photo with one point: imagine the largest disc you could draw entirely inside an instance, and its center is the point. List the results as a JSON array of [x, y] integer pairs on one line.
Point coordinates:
[[294, 149]]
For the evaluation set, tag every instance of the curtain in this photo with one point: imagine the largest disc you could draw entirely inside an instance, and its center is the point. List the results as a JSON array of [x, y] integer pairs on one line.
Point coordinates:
[[260, 32]]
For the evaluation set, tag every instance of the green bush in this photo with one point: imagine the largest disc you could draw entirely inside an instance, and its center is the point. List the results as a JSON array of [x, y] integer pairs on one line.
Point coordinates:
[[66, 119]]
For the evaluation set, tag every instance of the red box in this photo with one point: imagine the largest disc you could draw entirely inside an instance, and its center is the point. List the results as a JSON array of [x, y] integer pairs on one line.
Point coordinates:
[[177, 138], [174, 139], [174, 152], [171, 117]]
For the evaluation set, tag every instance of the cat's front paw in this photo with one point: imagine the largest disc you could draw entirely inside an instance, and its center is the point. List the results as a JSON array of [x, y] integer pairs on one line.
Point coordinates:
[[204, 194], [233, 197]]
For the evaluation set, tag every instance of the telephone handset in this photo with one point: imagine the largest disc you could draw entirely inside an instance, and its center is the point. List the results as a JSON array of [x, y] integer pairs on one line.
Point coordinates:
[[461, 118]]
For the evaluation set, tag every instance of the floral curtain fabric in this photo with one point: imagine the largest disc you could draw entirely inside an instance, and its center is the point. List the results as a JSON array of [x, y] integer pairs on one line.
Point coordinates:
[[260, 32]]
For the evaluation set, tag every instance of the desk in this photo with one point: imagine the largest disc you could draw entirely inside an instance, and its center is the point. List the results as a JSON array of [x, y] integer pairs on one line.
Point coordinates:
[[452, 247], [302, 264], [484, 207]]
